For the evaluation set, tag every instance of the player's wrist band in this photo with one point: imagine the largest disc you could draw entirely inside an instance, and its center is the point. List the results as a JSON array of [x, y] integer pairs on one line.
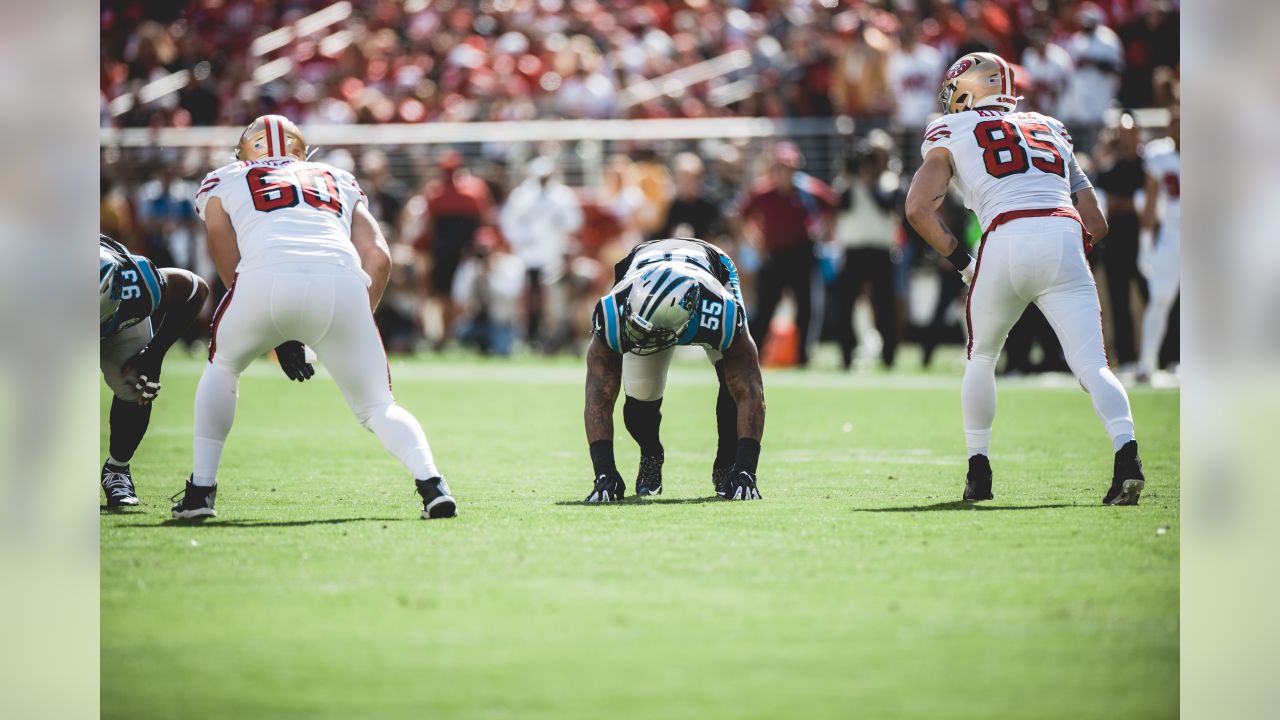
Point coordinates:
[[748, 455], [602, 457], [960, 258]]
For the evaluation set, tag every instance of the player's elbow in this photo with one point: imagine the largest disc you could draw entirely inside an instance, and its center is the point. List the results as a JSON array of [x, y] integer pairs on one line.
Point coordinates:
[[918, 212]]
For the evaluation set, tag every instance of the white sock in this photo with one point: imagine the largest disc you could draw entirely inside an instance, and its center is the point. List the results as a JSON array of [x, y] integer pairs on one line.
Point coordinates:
[[402, 436], [978, 402], [1111, 403], [215, 411]]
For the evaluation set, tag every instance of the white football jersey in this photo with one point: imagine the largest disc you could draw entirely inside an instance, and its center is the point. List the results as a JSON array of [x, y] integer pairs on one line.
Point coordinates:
[[287, 211], [1164, 164], [1007, 161]]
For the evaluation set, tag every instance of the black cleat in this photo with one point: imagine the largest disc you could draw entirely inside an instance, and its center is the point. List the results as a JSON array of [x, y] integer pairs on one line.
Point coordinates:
[[977, 485], [437, 501], [1127, 481], [196, 503], [649, 479], [117, 483], [720, 478]]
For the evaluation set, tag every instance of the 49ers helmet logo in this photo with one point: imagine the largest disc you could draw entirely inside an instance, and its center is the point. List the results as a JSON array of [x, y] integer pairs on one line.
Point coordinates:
[[959, 68]]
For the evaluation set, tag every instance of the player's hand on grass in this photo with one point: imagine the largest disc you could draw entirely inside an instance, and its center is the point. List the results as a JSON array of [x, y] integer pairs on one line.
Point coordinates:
[[142, 372], [609, 488], [293, 361], [741, 485]]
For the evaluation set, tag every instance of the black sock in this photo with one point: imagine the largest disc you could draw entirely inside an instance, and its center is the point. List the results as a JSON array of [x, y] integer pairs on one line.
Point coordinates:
[[726, 422], [128, 424], [643, 419]]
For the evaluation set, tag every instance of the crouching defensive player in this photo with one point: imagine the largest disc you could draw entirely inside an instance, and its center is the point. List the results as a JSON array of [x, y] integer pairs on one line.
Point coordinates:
[[667, 293], [130, 291]]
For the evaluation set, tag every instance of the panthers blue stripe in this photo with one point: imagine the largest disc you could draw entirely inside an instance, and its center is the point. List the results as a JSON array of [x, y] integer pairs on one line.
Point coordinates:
[[612, 335], [153, 283], [729, 329]]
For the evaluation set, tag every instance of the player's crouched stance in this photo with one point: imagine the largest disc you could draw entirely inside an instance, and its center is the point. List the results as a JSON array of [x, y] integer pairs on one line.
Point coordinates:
[[1017, 171], [668, 293], [305, 263], [130, 291]]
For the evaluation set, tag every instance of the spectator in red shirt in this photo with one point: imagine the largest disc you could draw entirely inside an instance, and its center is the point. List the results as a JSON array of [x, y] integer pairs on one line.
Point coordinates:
[[784, 214], [458, 204]]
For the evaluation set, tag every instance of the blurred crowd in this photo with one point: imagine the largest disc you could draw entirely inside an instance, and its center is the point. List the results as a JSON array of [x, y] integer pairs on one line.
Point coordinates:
[[497, 252]]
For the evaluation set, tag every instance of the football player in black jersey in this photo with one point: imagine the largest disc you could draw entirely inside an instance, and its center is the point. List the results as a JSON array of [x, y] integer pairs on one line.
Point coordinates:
[[668, 293], [130, 291]]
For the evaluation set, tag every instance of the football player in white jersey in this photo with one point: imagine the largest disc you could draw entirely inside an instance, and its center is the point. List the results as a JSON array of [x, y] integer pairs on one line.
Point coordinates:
[[1159, 252], [1017, 171], [678, 291], [305, 263]]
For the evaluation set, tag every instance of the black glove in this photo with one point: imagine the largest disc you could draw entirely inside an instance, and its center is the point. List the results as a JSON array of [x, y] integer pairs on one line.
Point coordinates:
[[609, 488], [293, 361], [741, 485], [142, 371]]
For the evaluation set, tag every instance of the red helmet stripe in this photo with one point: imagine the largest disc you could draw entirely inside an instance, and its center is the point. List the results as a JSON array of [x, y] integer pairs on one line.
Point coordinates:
[[284, 147], [271, 149], [1004, 75]]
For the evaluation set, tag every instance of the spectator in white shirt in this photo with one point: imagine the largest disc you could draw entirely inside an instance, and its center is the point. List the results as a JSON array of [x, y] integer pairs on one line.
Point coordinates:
[[915, 71], [540, 219], [1098, 57], [1049, 67], [487, 290]]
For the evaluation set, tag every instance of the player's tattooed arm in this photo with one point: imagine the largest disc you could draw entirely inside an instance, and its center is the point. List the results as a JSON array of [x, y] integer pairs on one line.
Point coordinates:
[[924, 199], [604, 379], [742, 376], [375, 255], [183, 297]]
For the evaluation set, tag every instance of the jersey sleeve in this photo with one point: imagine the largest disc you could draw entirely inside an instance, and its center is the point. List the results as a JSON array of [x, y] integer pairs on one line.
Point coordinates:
[[347, 183], [938, 134], [1076, 177], [728, 273], [606, 323], [210, 187]]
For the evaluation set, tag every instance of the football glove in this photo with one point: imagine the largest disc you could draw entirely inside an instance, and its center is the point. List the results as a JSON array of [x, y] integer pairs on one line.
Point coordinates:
[[293, 361], [740, 485], [609, 488], [142, 372]]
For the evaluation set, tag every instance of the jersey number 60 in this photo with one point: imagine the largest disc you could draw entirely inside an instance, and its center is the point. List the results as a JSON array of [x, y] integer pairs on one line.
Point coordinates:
[[272, 190]]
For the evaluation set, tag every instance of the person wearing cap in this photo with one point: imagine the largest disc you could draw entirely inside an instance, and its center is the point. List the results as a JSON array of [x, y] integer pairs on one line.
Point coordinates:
[[540, 219], [458, 205], [783, 215], [1098, 56]]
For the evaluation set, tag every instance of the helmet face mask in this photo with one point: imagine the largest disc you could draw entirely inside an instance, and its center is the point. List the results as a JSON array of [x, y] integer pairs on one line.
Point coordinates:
[[658, 311]]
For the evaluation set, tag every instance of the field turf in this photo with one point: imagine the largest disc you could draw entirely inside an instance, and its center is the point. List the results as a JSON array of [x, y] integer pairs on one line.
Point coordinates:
[[859, 586]]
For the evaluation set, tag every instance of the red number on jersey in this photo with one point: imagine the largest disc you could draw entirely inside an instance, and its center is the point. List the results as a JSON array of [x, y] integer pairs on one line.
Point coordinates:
[[1001, 152], [320, 190], [1172, 185], [275, 192], [270, 192], [1039, 137]]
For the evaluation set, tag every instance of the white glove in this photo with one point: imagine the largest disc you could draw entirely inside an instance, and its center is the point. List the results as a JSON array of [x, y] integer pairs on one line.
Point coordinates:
[[967, 273], [1146, 253]]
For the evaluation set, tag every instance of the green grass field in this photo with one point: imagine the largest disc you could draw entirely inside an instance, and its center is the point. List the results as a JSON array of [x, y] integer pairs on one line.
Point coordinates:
[[859, 587]]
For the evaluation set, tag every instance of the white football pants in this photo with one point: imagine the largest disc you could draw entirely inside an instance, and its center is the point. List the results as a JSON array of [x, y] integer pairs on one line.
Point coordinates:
[[1037, 260], [1162, 289], [327, 308], [644, 377]]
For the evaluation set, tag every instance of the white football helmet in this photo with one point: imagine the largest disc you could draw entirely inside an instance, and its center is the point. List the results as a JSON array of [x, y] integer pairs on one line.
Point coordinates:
[[659, 307]]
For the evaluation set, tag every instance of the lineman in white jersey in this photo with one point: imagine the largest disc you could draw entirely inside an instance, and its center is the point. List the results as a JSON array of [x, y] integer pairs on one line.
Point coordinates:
[[1159, 253], [1018, 173], [305, 263]]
